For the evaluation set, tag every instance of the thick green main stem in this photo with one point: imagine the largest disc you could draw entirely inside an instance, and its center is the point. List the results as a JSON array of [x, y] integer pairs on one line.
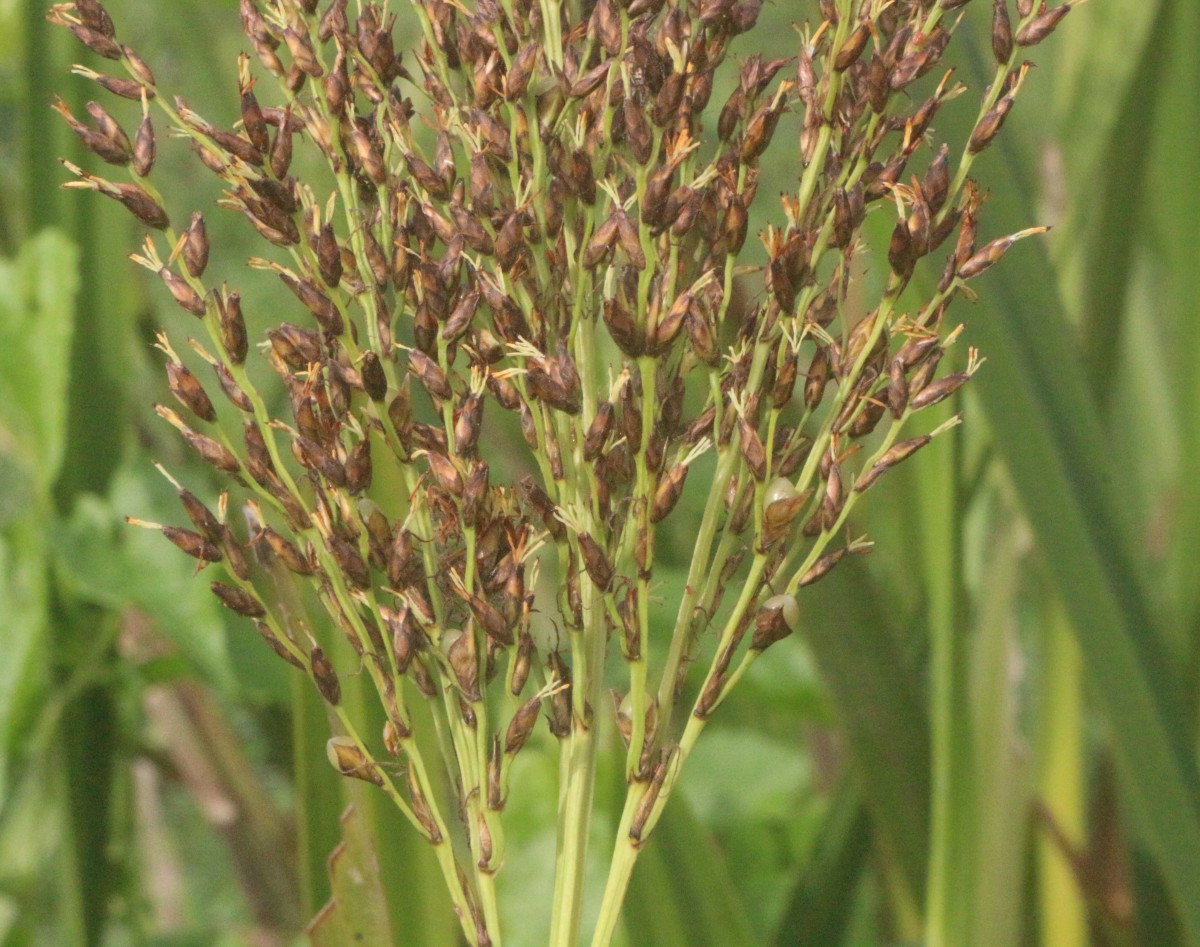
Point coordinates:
[[577, 775]]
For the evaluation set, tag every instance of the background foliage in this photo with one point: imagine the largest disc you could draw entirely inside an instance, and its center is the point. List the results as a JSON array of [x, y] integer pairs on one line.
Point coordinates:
[[987, 734]]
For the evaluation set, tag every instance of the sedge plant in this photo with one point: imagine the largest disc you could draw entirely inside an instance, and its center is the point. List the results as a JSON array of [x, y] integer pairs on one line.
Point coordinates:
[[519, 301]]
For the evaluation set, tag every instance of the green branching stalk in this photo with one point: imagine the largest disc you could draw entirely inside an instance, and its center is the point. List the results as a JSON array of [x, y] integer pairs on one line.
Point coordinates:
[[537, 221]]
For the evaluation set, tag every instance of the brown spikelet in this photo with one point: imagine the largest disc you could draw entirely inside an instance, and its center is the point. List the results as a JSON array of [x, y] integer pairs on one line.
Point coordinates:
[[325, 677], [238, 600]]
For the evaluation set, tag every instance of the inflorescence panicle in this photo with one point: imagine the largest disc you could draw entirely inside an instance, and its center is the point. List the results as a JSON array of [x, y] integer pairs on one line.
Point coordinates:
[[522, 302]]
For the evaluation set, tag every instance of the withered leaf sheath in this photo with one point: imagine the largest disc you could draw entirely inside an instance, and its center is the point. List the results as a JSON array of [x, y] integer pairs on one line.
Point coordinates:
[[520, 308]]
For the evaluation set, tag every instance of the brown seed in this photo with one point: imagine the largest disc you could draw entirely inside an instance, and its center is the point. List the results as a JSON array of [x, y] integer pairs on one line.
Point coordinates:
[[731, 114], [603, 241], [191, 543], [638, 133], [139, 203], [325, 677], [521, 664], [759, 131], [430, 375], [93, 15], [735, 226], [852, 48], [897, 392], [903, 251], [641, 815], [239, 600], [323, 309], [866, 420], [666, 330], [211, 451], [350, 561], [938, 390], [1041, 25], [599, 567], [936, 183], [630, 241], [187, 297], [989, 125], [420, 806], [560, 699], [462, 657], [778, 617], [475, 494], [816, 378], [358, 467], [195, 246], [668, 492], [252, 117], [373, 377], [137, 66], [286, 552], [991, 253], [298, 348], [345, 756], [469, 423], [95, 40], [201, 516], [779, 513], [300, 46], [144, 149], [445, 472], [522, 724], [630, 417], [597, 432], [822, 566], [233, 326], [894, 455], [1002, 37], [189, 392], [107, 140], [622, 328]]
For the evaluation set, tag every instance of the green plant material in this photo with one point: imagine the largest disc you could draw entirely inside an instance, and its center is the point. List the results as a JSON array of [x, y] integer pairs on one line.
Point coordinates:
[[357, 911], [37, 298], [1165, 247], [683, 895], [1002, 770], [953, 858], [1061, 783], [1112, 252], [37, 295], [880, 697], [318, 794], [1047, 432], [821, 906], [102, 561]]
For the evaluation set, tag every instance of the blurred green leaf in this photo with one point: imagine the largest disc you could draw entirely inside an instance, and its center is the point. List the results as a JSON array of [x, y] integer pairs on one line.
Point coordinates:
[[105, 561], [357, 912], [682, 892], [820, 904], [37, 310], [1049, 435], [880, 699], [37, 293]]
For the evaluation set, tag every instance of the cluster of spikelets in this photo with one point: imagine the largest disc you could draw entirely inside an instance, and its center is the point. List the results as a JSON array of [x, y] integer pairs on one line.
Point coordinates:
[[542, 217]]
